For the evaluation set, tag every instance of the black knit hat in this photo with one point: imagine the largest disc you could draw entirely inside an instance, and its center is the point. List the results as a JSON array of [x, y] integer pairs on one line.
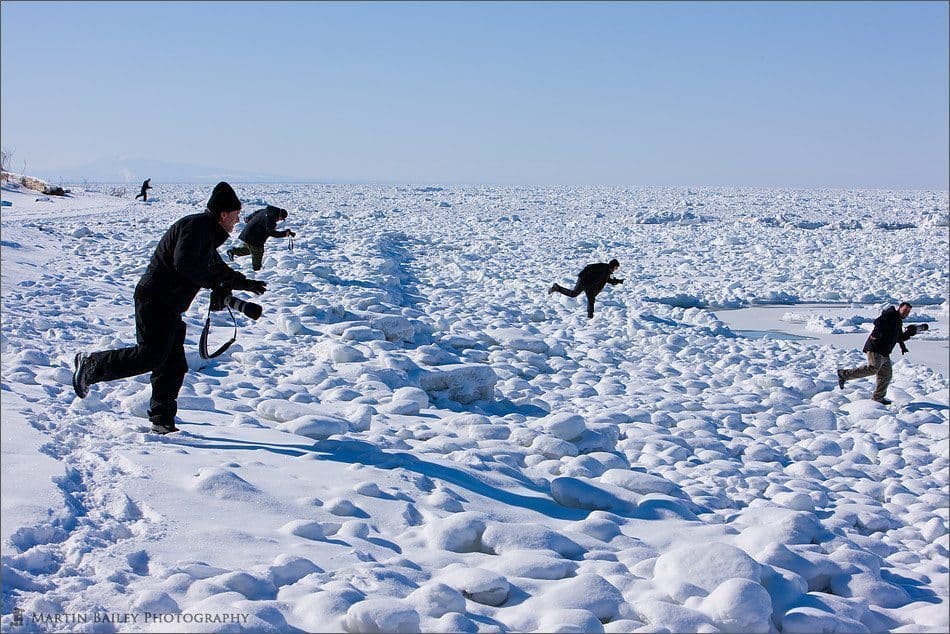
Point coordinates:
[[223, 199], [613, 262], [281, 212]]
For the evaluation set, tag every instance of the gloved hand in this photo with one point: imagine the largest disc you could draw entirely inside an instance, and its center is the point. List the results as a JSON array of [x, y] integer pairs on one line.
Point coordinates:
[[255, 286], [291, 233], [911, 330], [619, 281]]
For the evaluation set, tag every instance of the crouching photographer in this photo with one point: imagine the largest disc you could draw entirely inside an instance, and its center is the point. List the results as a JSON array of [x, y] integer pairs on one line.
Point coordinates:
[[185, 260], [261, 225]]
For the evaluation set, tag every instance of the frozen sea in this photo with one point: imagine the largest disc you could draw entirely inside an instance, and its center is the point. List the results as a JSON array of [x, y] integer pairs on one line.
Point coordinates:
[[415, 436]]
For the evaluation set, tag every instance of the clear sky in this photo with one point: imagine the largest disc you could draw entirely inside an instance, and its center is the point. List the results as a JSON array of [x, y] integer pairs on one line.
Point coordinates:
[[851, 94]]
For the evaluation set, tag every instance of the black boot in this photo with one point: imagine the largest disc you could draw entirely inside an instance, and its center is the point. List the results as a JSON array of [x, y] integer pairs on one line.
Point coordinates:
[[81, 375], [164, 428]]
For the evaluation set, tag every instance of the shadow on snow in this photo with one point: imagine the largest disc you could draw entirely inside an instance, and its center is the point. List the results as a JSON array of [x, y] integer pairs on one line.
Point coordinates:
[[357, 451]]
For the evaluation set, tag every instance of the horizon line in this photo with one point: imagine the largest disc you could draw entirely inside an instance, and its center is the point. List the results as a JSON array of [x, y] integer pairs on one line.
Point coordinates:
[[305, 181]]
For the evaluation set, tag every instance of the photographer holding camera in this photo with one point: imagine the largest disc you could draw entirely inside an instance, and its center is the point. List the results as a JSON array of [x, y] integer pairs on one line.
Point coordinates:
[[261, 225], [185, 260], [888, 331]]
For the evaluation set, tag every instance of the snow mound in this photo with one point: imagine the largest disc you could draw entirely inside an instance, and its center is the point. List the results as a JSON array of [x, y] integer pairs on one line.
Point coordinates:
[[315, 426], [223, 484], [477, 584], [737, 605], [501, 538], [685, 571], [463, 383], [382, 616]]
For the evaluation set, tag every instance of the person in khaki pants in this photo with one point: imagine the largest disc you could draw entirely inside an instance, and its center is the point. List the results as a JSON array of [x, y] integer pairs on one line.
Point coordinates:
[[888, 332], [261, 225]]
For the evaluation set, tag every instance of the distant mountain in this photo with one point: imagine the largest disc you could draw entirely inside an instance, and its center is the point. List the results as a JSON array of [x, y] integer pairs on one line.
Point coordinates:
[[134, 171]]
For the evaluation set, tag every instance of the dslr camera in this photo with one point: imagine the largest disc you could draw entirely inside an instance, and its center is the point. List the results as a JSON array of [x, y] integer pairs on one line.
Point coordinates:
[[222, 298]]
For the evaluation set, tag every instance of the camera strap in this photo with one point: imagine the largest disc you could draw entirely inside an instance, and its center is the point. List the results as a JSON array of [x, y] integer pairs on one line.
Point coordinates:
[[203, 341], [290, 244]]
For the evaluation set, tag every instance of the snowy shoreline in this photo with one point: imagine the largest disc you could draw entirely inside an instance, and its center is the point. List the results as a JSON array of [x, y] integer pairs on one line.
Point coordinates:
[[415, 436]]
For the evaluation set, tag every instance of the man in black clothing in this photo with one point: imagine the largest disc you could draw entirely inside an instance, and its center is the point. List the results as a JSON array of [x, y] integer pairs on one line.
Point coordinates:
[[888, 331], [185, 260], [591, 281], [261, 224], [144, 192]]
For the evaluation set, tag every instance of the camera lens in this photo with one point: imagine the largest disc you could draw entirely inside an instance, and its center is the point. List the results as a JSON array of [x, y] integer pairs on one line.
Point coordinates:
[[250, 309]]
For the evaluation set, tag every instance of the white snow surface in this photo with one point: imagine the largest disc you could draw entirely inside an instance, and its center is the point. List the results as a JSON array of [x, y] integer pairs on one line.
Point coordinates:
[[415, 436]]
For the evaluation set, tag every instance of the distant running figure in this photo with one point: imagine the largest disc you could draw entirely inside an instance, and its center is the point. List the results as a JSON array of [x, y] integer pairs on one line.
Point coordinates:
[[888, 331], [591, 280], [144, 192]]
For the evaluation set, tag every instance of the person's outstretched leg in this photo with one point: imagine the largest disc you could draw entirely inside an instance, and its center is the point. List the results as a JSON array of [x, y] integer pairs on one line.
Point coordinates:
[[155, 329], [563, 291], [878, 364], [152, 334], [871, 367], [235, 252], [590, 303]]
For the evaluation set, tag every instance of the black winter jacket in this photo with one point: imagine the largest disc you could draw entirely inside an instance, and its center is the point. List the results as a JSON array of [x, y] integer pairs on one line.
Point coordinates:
[[887, 333], [262, 225], [594, 277], [186, 260]]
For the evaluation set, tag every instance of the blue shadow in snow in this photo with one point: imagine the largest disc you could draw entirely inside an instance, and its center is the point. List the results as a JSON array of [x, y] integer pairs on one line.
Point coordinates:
[[492, 408], [357, 451], [385, 543], [917, 406], [504, 407], [658, 320], [914, 588], [339, 281]]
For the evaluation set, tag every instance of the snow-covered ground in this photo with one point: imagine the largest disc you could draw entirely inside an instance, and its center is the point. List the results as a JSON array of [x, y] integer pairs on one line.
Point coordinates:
[[416, 436]]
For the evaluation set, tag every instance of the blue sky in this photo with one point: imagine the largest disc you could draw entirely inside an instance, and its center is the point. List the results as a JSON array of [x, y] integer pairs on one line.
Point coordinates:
[[847, 94]]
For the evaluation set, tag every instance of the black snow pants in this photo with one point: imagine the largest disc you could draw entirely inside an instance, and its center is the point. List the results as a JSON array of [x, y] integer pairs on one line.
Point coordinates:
[[159, 349], [579, 288]]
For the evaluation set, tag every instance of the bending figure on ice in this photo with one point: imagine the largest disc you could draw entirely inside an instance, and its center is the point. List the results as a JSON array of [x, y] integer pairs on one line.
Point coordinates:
[[590, 281]]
